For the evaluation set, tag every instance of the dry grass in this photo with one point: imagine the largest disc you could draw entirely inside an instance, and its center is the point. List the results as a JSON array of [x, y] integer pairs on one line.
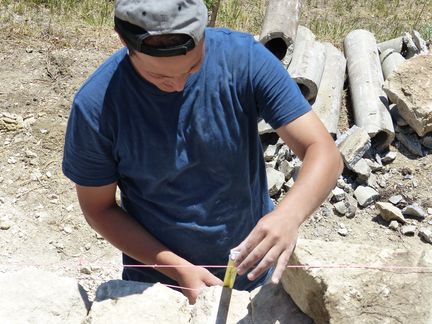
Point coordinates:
[[330, 20]]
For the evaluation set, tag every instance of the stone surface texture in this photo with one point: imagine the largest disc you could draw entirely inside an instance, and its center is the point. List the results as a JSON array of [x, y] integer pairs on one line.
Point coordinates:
[[410, 88], [332, 295]]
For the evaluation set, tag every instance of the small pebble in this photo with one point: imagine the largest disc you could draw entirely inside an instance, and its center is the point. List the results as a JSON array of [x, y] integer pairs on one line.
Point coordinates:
[[67, 229], [408, 230], [85, 270], [394, 225], [425, 234], [4, 225], [343, 231]]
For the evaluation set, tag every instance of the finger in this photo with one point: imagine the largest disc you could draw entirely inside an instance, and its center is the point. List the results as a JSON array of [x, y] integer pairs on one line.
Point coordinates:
[[248, 245], [267, 261], [255, 256], [281, 266]]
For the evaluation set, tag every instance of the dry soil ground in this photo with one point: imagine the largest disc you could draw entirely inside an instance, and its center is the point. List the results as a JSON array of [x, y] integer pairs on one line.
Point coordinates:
[[42, 63]]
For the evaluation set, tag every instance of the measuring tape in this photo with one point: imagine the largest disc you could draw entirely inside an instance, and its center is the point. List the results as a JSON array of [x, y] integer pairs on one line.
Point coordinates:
[[231, 271]]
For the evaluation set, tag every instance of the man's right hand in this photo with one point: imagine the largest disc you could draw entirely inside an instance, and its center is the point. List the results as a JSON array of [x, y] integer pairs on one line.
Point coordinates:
[[193, 279]]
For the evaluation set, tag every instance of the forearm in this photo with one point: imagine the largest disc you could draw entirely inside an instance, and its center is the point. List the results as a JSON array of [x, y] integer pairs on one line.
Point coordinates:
[[321, 167], [126, 234]]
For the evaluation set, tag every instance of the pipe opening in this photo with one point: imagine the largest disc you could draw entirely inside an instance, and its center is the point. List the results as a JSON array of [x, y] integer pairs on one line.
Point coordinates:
[[277, 46], [304, 90]]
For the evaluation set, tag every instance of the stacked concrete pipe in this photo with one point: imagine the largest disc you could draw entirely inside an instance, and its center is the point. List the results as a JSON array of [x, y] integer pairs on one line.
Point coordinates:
[[279, 28], [390, 60], [329, 98], [307, 64], [369, 101]]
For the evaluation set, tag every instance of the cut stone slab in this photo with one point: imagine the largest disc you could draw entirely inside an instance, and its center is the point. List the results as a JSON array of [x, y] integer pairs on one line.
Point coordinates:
[[410, 88], [389, 212], [365, 195], [35, 296], [155, 304], [334, 295]]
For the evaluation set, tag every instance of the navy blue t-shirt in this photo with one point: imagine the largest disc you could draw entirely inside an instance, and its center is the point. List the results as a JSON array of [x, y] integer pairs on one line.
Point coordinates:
[[189, 164]]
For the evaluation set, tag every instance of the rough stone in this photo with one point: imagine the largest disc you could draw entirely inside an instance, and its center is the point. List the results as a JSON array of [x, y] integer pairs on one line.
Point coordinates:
[[362, 169], [275, 180], [410, 88], [419, 42], [286, 168], [340, 208], [351, 204], [365, 195], [270, 152], [331, 295], [264, 128], [338, 194], [353, 144], [411, 142], [154, 304], [389, 212], [281, 309], [414, 210], [427, 142], [408, 230], [396, 199], [35, 296], [425, 234], [394, 225], [389, 157]]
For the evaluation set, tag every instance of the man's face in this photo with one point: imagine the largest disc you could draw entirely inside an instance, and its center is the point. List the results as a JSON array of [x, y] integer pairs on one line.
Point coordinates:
[[169, 74]]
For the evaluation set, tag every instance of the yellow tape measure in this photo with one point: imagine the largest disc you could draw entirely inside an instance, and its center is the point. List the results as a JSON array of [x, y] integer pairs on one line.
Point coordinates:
[[231, 270]]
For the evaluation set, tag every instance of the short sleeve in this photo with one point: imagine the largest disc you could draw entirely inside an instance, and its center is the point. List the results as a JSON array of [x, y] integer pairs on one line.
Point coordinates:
[[279, 100], [87, 157]]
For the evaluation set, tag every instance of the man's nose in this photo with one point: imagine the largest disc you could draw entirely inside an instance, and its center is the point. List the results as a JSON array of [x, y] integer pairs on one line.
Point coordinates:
[[178, 83]]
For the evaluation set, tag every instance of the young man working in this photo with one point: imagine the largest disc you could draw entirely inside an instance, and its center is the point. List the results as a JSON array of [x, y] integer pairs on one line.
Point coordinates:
[[172, 121]]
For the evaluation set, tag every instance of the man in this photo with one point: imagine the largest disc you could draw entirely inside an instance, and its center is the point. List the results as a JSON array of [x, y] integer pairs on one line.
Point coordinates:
[[172, 121]]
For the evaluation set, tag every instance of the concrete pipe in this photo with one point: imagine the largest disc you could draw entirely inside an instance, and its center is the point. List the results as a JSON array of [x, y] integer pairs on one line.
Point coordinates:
[[390, 60], [369, 101], [280, 27], [395, 44], [307, 64], [329, 98]]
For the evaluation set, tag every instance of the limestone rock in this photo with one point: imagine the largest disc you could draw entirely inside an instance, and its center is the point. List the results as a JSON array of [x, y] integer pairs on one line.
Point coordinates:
[[333, 296], [408, 230], [35, 296], [389, 212], [414, 210], [410, 88], [264, 128], [155, 304], [425, 234], [365, 195]]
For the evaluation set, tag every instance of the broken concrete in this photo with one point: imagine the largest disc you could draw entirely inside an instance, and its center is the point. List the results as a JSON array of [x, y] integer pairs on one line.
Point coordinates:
[[337, 295], [279, 28], [353, 145], [370, 103], [329, 97], [411, 142], [35, 296], [410, 88], [419, 42], [307, 65], [390, 60]]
